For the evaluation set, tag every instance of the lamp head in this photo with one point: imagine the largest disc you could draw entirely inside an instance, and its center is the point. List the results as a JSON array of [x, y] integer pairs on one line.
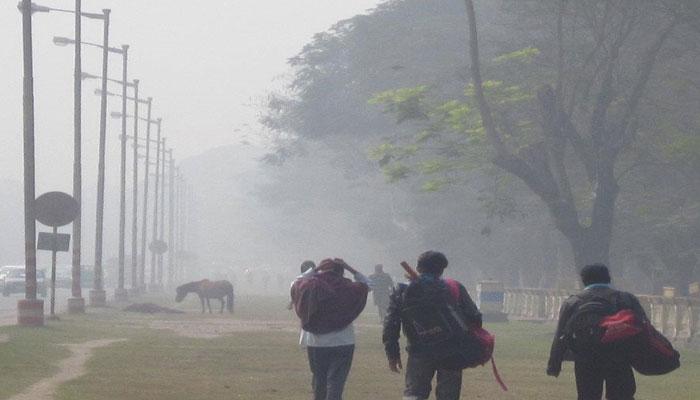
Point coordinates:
[[62, 41], [35, 8], [85, 75]]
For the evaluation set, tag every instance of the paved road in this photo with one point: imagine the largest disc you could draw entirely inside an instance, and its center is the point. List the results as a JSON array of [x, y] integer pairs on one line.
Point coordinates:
[[8, 306]]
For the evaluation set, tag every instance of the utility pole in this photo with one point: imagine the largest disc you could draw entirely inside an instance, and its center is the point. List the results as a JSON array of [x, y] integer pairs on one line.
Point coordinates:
[[161, 231], [30, 311], [144, 228], [135, 193], [98, 297], [76, 304], [171, 217], [156, 199], [121, 294]]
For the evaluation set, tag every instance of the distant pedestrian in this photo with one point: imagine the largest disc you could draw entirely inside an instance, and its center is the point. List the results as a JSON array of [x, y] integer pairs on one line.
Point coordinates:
[[327, 304], [424, 309], [594, 368], [382, 287]]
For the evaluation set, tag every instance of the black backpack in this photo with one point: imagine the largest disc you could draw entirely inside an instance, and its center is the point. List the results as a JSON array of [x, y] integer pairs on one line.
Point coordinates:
[[583, 333], [439, 326]]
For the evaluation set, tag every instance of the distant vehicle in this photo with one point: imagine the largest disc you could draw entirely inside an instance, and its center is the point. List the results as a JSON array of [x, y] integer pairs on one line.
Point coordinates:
[[64, 276], [12, 280]]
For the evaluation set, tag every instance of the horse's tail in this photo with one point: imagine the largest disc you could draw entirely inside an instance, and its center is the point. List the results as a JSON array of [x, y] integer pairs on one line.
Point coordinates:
[[229, 300]]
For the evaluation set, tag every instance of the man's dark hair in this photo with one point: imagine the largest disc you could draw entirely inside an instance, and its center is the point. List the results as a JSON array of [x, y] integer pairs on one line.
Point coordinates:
[[432, 262], [595, 273], [307, 265]]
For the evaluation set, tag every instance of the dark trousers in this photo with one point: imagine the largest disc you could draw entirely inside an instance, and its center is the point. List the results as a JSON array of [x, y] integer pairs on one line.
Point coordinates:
[[330, 367], [592, 375], [419, 375], [382, 309]]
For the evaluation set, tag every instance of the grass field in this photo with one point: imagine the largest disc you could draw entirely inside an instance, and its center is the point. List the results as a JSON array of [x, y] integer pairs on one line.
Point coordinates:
[[265, 362]]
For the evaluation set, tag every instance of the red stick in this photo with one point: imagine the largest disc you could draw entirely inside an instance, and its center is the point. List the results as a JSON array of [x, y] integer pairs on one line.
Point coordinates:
[[410, 272]]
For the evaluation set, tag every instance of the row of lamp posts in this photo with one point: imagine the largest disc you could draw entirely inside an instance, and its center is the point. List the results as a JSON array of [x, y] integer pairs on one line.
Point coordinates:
[[31, 309]]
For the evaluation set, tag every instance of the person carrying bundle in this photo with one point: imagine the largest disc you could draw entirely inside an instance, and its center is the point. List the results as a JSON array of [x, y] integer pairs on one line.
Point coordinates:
[[327, 304], [609, 334], [431, 310]]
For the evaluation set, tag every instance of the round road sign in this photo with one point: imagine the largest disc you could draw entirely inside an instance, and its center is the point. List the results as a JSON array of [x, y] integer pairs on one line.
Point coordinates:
[[56, 209], [158, 247]]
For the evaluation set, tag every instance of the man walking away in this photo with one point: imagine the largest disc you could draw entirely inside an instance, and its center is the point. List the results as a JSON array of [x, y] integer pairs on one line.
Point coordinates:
[[594, 368], [382, 286], [419, 308], [327, 304]]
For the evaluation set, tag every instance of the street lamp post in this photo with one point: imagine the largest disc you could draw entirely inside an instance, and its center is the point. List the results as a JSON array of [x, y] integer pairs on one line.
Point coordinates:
[[144, 229], [153, 283], [135, 193], [76, 304], [120, 293], [171, 217], [98, 297], [30, 311], [161, 231], [135, 278]]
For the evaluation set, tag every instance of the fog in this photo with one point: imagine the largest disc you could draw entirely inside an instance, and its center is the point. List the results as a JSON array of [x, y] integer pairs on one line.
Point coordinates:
[[295, 125]]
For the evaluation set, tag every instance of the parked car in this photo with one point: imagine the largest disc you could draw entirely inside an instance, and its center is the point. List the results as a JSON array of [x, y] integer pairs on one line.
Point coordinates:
[[12, 280], [64, 276]]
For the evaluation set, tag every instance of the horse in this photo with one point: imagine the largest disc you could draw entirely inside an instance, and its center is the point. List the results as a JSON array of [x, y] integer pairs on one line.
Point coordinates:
[[207, 289]]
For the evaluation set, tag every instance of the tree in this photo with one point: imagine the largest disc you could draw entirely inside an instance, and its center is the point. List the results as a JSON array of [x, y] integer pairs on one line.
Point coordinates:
[[562, 126]]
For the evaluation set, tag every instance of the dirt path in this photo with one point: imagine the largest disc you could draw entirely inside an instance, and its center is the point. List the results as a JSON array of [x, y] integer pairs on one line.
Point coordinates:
[[70, 368]]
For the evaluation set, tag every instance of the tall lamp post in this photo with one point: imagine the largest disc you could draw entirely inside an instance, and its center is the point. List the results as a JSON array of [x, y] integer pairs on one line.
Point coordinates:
[[136, 272], [161, 230], [30, 311], [76, 304], [120, 293], [156, 200], [144, 227], [98, 296], [171, 218]]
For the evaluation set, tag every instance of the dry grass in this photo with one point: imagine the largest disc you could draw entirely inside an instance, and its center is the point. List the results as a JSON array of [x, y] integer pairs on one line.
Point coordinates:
[[264, 364]]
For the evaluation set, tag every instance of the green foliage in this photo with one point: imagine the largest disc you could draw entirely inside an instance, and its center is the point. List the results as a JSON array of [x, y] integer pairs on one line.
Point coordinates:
[[434, 185], [405, 103], [396, 171], [432, 166], [524, 56]]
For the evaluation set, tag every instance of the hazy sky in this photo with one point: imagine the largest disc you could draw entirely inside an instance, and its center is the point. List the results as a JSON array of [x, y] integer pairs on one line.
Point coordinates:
[[205, 64]]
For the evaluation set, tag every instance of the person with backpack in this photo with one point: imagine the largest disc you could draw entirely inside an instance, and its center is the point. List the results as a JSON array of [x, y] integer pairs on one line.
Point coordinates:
[[327, 304], [430, 310], [597, 365]]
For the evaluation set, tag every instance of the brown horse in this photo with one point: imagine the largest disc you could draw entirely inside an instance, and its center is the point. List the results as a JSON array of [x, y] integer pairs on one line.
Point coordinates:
[[206, 290]]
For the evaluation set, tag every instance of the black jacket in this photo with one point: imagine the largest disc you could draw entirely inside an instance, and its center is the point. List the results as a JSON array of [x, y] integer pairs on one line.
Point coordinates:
[[394, 322], [623, 300]]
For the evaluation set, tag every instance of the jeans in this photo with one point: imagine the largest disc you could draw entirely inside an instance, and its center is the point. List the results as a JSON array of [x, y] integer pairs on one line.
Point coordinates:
[[593, 374], [330, 367], [419, 374]]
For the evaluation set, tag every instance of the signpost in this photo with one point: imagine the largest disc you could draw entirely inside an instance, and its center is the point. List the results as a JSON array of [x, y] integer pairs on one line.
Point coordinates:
[[158, 247], [55, 209]]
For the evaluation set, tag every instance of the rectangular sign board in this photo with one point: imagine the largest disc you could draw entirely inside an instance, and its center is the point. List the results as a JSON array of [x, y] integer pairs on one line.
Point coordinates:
[[50, 242]]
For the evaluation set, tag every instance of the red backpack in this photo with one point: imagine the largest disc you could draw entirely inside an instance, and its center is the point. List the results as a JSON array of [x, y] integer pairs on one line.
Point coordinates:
[[622, 335], [475, 336], [648, 351]]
